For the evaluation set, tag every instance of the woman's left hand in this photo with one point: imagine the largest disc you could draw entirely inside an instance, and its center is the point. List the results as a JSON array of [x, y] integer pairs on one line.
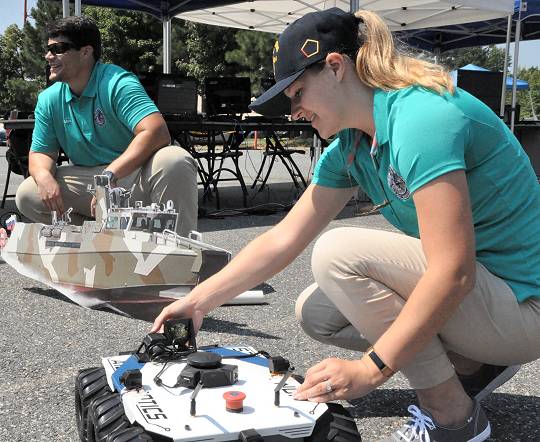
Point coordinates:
[[334, 378]]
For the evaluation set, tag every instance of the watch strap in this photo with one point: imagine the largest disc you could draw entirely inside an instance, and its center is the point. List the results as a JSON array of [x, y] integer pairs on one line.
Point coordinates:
[[385, 369]]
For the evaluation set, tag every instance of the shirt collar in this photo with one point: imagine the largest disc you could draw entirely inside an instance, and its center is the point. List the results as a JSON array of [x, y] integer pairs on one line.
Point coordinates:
[[90, 89]]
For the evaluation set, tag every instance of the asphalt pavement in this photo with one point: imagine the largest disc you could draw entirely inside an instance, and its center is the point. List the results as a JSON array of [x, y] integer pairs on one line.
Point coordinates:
[[46, 338]]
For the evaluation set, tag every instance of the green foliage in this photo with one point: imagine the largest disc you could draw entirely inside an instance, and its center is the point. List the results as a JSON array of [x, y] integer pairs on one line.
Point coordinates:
[[532, 76], [12, 74], [10, 53], [22, 62], [22, 94], [489, 57], [253, 55], [133, 40], [35, 39], [129, 39], [205, 49]]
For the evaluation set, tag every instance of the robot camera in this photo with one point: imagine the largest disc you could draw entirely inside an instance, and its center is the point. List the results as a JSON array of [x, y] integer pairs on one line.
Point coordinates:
[[181, 334]]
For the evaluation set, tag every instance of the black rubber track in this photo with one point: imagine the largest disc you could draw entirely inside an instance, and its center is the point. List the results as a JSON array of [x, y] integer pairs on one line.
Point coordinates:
[[131, 434], [90, 384], [105, 416], [337, 425]]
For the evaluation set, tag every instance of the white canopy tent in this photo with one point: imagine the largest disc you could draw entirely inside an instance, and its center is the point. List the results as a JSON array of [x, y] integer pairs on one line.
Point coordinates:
[[400, 15], [275, 15]]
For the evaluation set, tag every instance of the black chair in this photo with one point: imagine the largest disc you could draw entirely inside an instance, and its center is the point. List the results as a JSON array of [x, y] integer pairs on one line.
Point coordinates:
[[210, 172], [18, 141], [275, 149]]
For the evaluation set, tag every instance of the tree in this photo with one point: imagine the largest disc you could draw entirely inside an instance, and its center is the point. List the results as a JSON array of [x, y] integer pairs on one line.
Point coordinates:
[[131, 40], [253, 55], [22, 65], [35, 39], [205, 49], [13, 91], [532, 76], [488, 57]]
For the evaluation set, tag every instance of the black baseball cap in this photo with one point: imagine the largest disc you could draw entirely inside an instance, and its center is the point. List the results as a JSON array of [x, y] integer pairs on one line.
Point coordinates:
[[303, 43]]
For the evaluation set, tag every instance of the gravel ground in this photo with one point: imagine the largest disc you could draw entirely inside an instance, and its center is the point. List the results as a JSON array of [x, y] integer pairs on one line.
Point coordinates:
[[46, 339]]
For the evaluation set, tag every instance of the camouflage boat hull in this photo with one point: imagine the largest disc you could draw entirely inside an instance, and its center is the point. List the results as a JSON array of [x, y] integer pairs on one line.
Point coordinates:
[[120, 270]]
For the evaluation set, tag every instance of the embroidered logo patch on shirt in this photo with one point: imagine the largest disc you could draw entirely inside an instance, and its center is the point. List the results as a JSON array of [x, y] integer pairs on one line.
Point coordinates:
[[397, 184], [99, 117]]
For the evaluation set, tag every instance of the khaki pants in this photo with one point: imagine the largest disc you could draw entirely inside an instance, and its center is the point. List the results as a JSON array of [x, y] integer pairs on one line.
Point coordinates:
[[363, 279], [170, 174]]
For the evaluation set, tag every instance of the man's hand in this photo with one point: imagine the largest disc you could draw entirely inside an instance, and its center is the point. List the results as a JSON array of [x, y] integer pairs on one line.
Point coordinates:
[[49, 192]]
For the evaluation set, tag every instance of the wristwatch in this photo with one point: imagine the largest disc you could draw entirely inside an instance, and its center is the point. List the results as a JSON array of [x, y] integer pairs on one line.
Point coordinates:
[[111, 175], [385, 369]]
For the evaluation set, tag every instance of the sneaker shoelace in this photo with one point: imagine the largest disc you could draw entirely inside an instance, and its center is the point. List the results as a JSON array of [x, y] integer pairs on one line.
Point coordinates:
[[418, 426]]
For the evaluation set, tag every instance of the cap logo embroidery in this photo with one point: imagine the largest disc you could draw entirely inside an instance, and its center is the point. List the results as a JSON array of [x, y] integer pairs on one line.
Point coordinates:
[[310, 48], [274, 55]]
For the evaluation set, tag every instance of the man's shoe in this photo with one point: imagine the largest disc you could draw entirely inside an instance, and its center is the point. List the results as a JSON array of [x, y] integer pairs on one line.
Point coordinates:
[[422, 427], [487, 379]]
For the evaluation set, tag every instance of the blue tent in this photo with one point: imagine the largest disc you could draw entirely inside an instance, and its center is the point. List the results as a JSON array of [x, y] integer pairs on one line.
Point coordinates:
[[465, 35], [521, 85]]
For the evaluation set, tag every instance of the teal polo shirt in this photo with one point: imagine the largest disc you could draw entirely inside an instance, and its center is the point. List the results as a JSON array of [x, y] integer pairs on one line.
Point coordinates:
[[422, 135], [97, 127]]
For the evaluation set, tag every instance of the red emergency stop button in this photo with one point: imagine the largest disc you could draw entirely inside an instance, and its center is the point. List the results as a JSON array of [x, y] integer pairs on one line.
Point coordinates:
[[234, 401]]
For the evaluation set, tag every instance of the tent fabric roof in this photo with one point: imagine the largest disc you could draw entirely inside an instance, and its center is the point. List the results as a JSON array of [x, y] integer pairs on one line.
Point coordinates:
[[275, 15], [478, 33], [158, 8]]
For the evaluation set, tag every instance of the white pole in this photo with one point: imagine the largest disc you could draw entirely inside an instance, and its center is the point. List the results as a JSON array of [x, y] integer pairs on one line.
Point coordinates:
[[505, 70], [78, 7], [515, 70], [167, 45], [65, 8], [437, 54]]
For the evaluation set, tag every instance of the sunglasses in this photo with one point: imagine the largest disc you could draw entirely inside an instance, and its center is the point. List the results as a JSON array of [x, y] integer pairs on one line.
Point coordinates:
[[61, 47]]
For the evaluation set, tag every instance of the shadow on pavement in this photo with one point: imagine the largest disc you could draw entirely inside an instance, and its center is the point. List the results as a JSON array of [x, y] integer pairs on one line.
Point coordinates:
[[263, 213], [383, 402], [49, 293], [213, 325], [512, 417]]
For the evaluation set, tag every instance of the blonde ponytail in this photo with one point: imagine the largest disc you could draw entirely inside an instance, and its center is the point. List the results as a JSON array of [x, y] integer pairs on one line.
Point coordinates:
[[380, 65]]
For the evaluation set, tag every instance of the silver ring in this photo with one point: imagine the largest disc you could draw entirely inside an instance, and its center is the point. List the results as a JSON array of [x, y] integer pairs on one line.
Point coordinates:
[[328, 386]]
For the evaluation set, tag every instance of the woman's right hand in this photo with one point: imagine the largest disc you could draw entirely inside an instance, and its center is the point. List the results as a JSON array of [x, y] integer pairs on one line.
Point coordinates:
[[183, 308]]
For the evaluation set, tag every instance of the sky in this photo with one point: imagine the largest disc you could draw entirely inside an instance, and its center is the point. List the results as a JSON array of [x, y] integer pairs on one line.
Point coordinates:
[[529, 51]]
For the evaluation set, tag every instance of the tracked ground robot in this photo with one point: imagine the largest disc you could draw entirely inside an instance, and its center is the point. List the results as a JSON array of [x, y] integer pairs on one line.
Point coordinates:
[[170, 390]]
